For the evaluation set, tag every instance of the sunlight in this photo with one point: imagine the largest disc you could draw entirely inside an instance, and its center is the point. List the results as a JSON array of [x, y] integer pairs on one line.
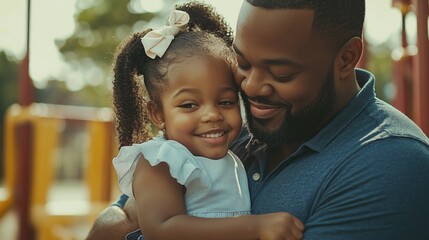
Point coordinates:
[[383, 24], [139, 6]]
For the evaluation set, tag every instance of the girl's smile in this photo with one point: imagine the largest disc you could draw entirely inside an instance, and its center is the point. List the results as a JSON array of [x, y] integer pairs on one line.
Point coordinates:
[[214, 137], [200, 106]]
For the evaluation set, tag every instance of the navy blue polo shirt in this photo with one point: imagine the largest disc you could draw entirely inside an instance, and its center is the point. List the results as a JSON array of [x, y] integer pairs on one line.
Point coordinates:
[[363, 176]]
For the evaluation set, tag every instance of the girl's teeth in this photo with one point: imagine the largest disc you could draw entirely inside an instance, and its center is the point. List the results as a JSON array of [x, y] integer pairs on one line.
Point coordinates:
[[212, 135]]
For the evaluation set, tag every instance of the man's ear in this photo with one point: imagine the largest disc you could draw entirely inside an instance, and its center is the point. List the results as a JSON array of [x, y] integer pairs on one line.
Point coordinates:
[[156, 115], [348, 57]]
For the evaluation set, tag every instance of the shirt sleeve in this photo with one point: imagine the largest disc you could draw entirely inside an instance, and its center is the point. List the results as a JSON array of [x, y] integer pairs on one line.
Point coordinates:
[[180, 161], [379, 193]]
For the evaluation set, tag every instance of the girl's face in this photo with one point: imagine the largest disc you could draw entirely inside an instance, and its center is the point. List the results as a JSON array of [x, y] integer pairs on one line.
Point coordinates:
[[200, 106]]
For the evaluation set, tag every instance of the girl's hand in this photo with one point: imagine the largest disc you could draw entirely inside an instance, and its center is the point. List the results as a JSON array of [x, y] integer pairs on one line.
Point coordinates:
[[281, 225]]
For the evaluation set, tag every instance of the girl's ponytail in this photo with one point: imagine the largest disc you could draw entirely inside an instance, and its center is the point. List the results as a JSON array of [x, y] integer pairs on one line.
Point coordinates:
[[128, 100], [132, 63]]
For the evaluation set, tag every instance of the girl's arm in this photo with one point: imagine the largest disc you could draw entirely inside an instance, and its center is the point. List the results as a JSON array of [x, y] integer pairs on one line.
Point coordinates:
[[162, 213]]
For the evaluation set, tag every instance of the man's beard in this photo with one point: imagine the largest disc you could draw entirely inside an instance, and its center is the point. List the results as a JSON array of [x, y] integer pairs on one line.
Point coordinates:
[[295, 127]]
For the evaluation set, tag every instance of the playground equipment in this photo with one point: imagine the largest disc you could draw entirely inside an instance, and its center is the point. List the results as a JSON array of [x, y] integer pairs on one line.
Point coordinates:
[[29, 173], [52, 219], [411, 75]]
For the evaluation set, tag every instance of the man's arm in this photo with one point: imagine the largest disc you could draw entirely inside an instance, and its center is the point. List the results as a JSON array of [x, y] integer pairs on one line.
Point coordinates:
[[115, 222]]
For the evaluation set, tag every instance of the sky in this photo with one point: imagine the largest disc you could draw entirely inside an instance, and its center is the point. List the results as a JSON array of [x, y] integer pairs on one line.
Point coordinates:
[[53, 19]]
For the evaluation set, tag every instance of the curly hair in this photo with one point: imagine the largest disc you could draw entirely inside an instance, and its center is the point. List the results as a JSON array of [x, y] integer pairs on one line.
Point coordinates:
[[137, 77]]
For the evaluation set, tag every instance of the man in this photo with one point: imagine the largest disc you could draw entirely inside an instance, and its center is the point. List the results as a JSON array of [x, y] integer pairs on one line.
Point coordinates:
[[322, 146]]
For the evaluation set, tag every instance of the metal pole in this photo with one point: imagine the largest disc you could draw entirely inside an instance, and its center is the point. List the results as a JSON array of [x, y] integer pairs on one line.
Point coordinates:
[[421, 81], [26, 89], [26, 96]]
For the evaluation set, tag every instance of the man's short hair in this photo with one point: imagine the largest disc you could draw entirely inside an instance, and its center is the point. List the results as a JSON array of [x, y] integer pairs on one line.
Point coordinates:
[[336, 21]]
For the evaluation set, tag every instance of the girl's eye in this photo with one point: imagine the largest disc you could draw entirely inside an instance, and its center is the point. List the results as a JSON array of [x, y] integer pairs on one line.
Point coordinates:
[[188, 105], [227, 103]]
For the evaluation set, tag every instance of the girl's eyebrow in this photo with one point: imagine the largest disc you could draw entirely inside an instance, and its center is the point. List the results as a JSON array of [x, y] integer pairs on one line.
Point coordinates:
[[196, 91], [186, 90]]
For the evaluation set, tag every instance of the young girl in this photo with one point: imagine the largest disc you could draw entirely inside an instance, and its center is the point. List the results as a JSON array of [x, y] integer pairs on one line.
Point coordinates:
[[186, 183]]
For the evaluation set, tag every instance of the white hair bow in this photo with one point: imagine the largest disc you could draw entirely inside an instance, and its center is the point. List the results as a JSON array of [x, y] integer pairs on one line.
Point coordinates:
[[157, 41]]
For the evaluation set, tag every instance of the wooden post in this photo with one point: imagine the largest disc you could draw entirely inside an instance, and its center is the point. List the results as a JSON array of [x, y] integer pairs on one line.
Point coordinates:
[[26, 96], [421, 69], [402, 65]]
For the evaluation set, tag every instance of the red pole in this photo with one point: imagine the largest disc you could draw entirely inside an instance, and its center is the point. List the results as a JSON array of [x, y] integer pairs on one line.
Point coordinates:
[[26, 96], [421, 73], [402, 70]]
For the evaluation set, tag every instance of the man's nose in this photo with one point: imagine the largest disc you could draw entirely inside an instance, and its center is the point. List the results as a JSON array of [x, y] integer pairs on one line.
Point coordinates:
[[254, 83]]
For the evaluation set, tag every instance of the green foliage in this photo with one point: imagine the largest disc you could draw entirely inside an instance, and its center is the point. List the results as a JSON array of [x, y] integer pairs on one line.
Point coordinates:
[[8, 92], [101, 25], [100, 28], [56, 92], [9, 80], [380, 64]]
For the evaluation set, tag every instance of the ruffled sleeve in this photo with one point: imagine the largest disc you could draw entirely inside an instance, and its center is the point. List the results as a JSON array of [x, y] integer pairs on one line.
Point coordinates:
[[182, 164]]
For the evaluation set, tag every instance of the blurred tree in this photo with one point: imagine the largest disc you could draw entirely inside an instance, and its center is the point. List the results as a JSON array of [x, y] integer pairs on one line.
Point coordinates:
[[99, 30], [100, 26], [8, 92], [380, 64], [56, 92]]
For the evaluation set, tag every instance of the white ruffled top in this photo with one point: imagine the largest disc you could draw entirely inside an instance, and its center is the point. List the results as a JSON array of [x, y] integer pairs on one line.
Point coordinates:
[[214, 188]]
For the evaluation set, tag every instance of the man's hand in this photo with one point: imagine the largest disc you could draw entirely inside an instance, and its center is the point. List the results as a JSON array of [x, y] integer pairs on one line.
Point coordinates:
[[115, 222]]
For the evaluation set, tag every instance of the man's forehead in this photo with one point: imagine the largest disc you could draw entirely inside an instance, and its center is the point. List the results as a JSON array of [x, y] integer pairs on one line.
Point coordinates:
[[252, 17], [287, 27]]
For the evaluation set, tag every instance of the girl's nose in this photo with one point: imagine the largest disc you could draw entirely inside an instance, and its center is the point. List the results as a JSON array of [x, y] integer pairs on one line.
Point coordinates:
[[212, 114]]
